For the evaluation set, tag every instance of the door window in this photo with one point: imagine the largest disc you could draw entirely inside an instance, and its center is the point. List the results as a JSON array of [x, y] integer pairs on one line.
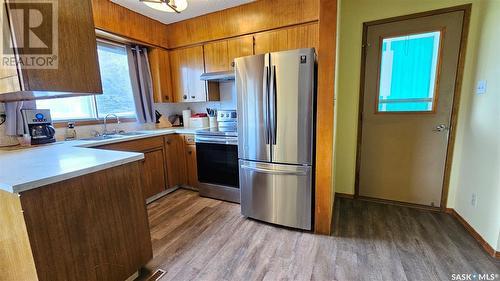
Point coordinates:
[[409, 73]]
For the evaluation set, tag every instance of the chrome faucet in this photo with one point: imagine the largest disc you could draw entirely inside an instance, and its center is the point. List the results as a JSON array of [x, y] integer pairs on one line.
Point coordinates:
[[106, 132]]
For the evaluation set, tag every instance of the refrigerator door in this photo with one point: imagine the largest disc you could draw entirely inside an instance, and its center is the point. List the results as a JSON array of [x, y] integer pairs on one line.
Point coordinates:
[[252, 79], [291, 104], [275, 193]]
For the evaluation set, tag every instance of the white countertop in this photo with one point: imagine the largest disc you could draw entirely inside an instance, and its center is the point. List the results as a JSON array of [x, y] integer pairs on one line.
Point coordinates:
[[29, 168]]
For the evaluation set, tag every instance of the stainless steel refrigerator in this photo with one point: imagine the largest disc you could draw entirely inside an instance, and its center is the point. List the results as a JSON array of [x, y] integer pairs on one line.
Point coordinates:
[[275, 94]]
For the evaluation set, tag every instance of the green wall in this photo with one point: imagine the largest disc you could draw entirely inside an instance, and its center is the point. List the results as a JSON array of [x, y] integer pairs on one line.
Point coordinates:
[[476, 167]]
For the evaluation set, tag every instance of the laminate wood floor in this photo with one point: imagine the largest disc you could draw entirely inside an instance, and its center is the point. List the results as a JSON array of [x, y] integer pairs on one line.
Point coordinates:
[[196, 238]]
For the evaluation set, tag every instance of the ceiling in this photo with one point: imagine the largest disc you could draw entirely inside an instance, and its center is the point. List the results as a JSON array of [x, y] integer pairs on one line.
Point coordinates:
[[195, 8]]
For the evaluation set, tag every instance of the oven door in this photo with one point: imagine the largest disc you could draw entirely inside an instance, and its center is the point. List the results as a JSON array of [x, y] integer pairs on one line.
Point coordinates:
[[217, 164], [218, 169]]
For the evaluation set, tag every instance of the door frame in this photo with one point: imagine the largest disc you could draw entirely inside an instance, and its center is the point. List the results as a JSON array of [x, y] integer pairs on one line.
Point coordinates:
[[455, 106]]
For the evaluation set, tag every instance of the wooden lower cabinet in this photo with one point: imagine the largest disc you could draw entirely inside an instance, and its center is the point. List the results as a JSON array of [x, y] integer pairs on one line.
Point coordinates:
[[175, 160], [155, 172], [169, 161], [191, 164], [92, 227]]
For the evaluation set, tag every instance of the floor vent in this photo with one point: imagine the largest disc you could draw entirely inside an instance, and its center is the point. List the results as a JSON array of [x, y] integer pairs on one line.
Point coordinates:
[[157, 275]]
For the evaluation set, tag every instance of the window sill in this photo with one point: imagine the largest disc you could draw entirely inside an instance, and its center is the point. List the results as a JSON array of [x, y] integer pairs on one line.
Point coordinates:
[[90, 122]]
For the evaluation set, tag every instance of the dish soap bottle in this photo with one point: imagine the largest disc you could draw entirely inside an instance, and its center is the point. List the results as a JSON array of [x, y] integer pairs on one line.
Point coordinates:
[[70, 133]]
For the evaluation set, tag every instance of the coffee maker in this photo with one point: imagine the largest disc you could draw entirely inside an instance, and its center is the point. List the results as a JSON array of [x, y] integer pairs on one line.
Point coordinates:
[[38, 123]]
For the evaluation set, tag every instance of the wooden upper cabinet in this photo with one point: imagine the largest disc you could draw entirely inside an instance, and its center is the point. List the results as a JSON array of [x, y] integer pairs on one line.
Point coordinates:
[[75, 51], [271, 41], [179, 76], [187, 65], [160, 73], [216, 56], [220, 55], [302, 36], [239, 47]]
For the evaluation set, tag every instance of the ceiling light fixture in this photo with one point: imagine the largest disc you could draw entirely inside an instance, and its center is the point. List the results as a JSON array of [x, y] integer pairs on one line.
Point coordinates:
[[171, 6]]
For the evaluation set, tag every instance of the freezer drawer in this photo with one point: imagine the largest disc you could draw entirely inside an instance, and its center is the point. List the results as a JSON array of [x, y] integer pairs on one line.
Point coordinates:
[[276, 193]]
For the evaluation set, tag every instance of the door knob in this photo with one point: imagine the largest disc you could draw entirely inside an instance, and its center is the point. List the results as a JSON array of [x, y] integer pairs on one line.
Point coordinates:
[[440, 128]]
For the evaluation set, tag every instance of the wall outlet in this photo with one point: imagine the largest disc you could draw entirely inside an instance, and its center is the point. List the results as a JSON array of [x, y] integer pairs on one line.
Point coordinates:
[[473, 200], [481, 87]]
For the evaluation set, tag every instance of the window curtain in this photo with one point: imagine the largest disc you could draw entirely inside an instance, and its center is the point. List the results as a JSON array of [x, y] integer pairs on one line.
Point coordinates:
[[140, 76], [14, 119]]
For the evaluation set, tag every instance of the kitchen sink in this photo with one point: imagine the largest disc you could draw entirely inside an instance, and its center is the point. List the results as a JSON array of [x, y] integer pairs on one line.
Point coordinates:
[[132, 133], [105, 137]]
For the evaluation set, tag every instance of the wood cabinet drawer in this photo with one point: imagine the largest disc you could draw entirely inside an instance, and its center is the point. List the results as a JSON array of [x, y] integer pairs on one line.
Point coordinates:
[[140, 145], [189, 139]]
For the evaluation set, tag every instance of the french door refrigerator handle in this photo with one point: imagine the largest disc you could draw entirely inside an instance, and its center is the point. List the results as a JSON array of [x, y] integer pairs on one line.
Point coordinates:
[[275, 172], [274, 124], [266, 104]]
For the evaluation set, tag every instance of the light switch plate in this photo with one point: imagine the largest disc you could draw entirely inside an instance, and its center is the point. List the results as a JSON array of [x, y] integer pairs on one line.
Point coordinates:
[[481, 87]]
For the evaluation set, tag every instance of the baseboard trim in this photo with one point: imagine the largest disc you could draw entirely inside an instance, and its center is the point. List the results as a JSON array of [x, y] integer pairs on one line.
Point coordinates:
[[161, 194], [487, 247], [399, 203], [344, 195]]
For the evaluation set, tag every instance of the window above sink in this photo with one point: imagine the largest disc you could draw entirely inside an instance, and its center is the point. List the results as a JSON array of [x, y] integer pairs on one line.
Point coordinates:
[[117, 97]]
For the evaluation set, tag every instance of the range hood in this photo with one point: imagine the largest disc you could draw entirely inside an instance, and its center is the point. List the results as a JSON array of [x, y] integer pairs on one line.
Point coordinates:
[[222, 76]]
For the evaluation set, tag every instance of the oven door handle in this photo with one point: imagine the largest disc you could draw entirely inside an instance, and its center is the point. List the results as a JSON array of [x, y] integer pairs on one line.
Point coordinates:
[[229, 141]]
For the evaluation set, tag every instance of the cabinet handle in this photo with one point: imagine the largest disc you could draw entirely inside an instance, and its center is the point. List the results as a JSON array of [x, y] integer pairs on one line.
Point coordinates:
[[168, 142], [232, 64], [185, 97], [167, 98], [190, 152]]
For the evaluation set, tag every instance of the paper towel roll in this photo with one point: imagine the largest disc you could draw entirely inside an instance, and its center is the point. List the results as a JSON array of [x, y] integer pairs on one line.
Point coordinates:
[[186, 115]]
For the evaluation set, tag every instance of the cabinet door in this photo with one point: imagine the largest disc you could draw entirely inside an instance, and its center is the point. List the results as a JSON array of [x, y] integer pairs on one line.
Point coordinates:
[[186, 67], [272, 41], [155, 176], [216, 56], [192, 168], [160, 73], [179, 72], [175, 160], [154, 173], [239, 47], [304, 36], [196, 87], [77, 68]]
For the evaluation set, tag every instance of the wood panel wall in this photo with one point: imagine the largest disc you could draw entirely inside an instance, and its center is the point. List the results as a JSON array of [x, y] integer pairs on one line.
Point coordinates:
[[121, 21], [245, 19], [324, 123]]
